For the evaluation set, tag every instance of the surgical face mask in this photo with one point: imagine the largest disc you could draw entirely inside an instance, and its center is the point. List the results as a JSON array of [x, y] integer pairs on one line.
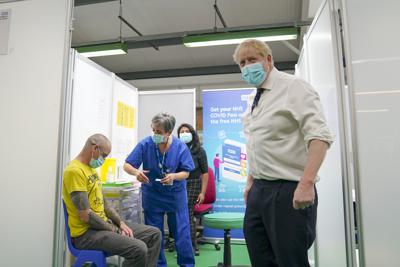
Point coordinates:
[[254, 74], [158, 138], [95, 163], [186, 137]]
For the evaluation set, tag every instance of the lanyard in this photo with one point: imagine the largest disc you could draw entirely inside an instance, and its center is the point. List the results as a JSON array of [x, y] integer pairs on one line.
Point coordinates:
[[160, 162]]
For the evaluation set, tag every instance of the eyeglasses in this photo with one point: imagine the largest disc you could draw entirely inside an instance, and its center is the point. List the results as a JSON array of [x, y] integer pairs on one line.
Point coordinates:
[[100, 150]]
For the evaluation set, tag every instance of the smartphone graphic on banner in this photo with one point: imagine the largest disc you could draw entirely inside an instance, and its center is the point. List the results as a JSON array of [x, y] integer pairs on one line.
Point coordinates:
[[234, 159]]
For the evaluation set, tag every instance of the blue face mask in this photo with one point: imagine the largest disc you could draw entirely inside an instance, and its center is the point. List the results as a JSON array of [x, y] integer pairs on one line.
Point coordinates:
[[254, 74], [95, 163], [158, 138], [186, 137]]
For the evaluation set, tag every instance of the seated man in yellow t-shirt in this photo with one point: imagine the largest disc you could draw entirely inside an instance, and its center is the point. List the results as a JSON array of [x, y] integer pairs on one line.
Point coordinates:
[[93, 223]]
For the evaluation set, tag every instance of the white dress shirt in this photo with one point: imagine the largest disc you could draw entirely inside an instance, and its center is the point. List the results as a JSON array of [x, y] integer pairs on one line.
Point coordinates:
[[288, 116]]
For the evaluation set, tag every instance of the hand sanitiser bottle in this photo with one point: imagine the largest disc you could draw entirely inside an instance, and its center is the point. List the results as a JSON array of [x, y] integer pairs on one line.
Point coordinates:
[[110, 175]]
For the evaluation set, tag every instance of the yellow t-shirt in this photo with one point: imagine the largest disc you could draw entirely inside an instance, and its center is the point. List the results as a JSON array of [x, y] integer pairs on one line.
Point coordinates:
[[81, 177]]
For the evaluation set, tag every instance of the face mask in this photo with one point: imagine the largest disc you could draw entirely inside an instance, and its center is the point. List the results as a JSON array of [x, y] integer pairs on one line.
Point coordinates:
[[186, 137], [157, 138], [95, 163], [254, 74]]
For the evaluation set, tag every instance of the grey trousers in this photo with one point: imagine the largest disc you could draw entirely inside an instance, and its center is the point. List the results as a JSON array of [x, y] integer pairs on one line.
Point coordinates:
[[140, 251]]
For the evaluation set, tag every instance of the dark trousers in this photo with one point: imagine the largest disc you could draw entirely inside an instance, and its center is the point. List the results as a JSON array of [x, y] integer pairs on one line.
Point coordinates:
[[276, 234], [193, 188], [178, 223]]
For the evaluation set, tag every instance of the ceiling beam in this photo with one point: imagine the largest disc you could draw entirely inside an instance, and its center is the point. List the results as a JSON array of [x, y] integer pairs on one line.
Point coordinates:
[[90, 2], [176, 38], [212, 70]]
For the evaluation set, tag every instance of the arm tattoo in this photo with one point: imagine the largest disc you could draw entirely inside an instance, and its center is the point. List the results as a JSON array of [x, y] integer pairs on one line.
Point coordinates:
[[98, 223], [80, 200], [111, 213]]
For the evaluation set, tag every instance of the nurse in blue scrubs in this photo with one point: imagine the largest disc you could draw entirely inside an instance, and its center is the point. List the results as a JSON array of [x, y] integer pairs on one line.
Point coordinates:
[[166, 164]]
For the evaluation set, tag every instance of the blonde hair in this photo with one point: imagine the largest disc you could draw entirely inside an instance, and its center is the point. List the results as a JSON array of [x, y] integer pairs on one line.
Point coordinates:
[[261, 47]]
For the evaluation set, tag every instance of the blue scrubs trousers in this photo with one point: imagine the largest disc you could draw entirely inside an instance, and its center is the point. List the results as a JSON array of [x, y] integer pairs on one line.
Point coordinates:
[[178, 222]]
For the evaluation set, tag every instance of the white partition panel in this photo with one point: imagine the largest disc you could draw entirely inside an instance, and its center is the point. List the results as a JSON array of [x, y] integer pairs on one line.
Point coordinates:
[[180, 103], [32, 79], [372, 46], [124, 120], [319, 68], [91, 102], [301, 68]]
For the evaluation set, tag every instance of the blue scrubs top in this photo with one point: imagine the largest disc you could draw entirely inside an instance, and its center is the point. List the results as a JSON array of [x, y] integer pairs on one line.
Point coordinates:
[[157, 197]]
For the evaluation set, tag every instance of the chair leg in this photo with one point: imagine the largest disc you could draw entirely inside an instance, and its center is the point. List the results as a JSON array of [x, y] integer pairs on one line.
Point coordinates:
[[169, 243], [79, 261], [227, 248], [101, 262]]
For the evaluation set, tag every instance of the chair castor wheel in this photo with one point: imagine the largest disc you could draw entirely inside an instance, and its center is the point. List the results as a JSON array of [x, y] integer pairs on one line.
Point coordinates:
[[217, 247]]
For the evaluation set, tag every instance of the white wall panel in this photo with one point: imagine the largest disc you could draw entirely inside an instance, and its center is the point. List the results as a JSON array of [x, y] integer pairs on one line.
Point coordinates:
[[124, 137], [31, 86], [374, 61], [91, 102], [322, 73], [180, 103]]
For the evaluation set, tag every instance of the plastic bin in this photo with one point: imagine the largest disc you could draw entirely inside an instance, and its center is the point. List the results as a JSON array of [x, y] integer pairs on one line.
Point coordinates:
[[126, 200]]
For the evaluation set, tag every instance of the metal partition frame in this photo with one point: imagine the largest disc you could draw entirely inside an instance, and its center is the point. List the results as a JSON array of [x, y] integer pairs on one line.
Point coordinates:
[[59, 244], [345, 132], [59, 247]]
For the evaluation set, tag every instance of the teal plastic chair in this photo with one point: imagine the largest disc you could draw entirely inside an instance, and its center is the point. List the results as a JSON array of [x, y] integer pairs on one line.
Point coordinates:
[[225, 221]]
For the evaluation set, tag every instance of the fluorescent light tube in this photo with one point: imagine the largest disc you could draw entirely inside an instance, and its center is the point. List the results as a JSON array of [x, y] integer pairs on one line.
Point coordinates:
[[213, 39], [103, 50]]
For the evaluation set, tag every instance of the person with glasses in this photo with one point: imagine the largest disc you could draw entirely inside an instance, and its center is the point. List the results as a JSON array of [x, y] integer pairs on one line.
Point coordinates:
[[287, 139], [166, 163], [93, 223]]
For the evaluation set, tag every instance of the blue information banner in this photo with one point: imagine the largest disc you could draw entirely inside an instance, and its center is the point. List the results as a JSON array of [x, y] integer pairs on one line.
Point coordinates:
[[225, 144]]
